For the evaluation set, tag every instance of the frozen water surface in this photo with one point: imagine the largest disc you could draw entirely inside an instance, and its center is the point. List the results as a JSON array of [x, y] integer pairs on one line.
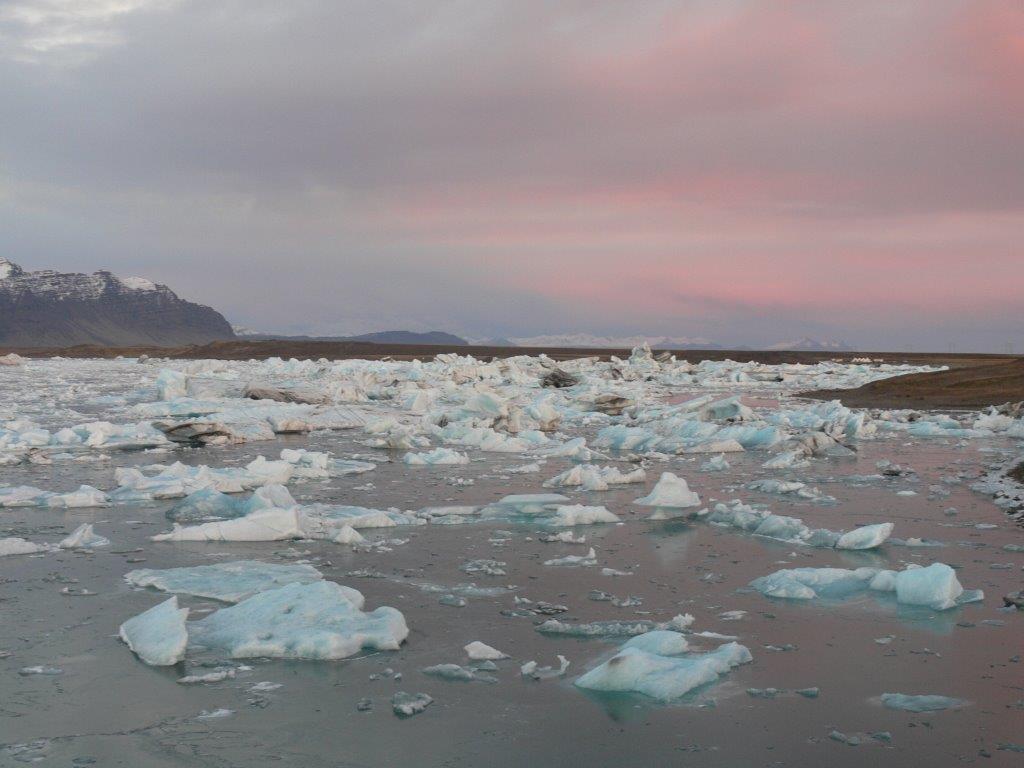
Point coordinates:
[[72, 691]]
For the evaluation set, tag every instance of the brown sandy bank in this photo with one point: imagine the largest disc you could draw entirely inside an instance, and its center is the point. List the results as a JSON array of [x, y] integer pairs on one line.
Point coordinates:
[[973, 385]]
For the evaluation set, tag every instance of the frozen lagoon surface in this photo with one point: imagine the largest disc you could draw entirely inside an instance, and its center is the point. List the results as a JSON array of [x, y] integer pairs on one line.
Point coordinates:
[[62, 609]]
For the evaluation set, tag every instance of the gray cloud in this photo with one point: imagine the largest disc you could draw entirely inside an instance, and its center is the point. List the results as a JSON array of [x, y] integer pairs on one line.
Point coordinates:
[[322, 166]]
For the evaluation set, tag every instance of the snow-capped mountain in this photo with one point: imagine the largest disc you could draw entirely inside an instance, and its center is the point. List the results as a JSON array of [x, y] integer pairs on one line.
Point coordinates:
[[587, 340], [806, 344], [56, 309]]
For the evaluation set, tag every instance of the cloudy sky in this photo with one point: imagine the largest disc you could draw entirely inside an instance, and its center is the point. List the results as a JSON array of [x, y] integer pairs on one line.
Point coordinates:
[[741, 171]]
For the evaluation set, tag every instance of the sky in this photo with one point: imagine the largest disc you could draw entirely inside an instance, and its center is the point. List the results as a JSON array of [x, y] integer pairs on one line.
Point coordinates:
[[741, 171]]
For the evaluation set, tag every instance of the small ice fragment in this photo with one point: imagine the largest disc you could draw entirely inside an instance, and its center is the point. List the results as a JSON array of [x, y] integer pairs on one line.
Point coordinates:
[[614, 572], [409, 704], [215, 714], [477, 651], [456, 672], [83, 537], [920, 703], [532, 670], [40, 670], [264, 686], [763, 693], [210, 677], [574, 560]]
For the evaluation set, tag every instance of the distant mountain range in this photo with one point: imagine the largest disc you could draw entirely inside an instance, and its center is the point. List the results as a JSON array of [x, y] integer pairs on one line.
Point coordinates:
[[59, 309], [569, 340], [436, 338], [586, 340], [811, 345]]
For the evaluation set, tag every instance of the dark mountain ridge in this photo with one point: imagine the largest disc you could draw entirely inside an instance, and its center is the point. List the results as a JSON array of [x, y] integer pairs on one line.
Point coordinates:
[[57, 309]]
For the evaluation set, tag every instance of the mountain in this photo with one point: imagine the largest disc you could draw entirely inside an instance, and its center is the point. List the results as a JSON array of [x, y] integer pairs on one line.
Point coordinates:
[[59, 309], [587, 340], [492, 341], [811, 345], [439, 338], [436, 338]]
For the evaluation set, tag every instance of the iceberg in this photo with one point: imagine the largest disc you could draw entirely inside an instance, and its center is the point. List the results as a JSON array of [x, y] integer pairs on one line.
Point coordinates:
[[211, 503], [715, 464], [317, 620], [594, 478], [457, 673], [83, 537], [477, 651], [13, 545], [227, 582], [865, 537], [575, 560], [663, 642], [27, 496], [935, 586], [438, 456], [577, 514], [262, 525], [670, 491], [408, 704], [158, 636], [665, 678]]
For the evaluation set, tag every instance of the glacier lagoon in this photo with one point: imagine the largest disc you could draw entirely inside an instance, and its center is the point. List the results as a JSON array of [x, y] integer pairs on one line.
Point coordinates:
[[62, 608]]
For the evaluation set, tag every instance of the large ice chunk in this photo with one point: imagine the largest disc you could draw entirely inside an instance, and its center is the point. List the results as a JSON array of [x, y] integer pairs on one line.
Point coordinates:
[[211, 503], [670, 491], [320, 620], [633, 670], [865, 537], [228, 582], [261, 525], [935, 586], [158, 636]]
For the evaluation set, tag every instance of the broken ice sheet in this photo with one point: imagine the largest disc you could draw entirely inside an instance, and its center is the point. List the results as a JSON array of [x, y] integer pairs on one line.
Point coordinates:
[[228, 582], [318, 620]]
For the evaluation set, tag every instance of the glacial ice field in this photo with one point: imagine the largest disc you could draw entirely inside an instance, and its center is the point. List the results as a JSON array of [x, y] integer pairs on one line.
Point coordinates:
[[520, 562]]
